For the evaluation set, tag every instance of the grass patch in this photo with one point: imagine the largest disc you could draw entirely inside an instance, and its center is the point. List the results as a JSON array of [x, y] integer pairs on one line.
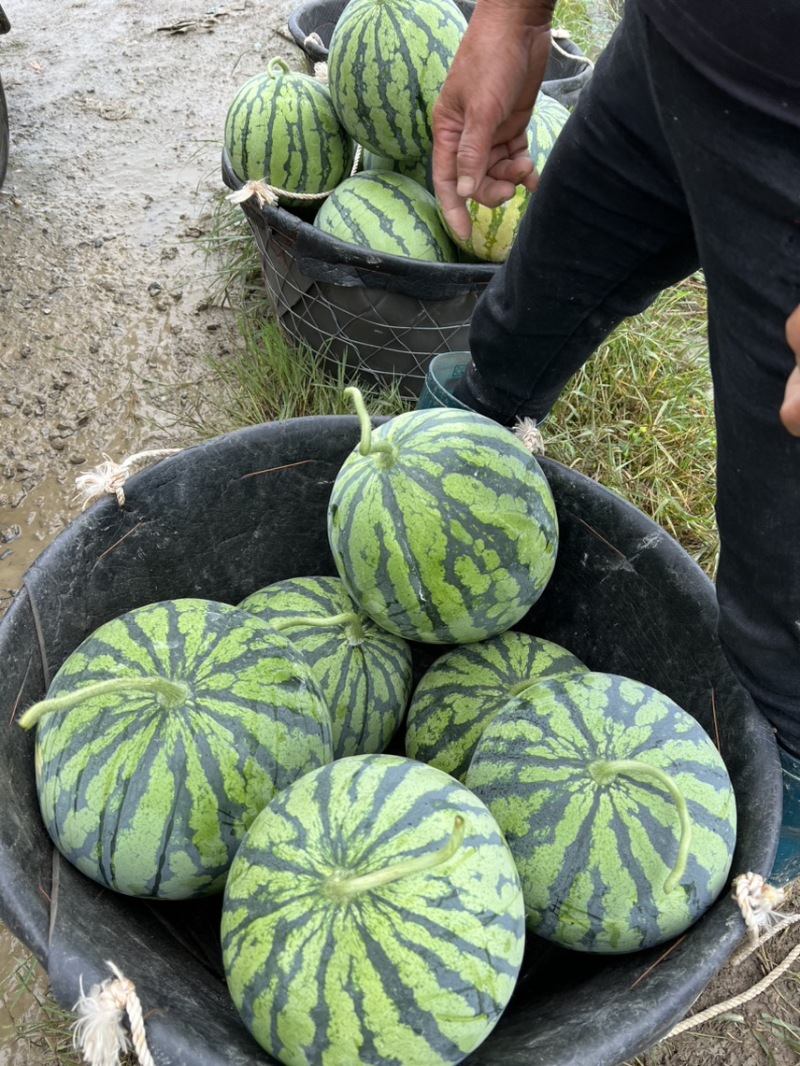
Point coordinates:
[[639, 418]]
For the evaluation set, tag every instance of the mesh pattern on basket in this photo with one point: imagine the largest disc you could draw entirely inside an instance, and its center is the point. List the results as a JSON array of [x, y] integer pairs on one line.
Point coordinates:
[[385, 317]]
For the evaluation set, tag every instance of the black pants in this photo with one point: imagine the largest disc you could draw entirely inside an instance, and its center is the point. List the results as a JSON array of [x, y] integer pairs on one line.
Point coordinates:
[[659, 172]]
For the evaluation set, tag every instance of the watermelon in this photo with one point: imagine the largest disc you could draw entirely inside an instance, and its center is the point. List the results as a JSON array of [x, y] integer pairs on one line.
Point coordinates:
[[387, 62], [365, 673], [162, 737], [389, 213], [461, 691], [281, 128], [421, 170], [494, 229], [616, 805], [373, 915], [442, 525]]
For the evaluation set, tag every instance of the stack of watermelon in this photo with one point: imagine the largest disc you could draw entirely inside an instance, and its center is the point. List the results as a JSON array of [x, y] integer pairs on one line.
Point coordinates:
[[375, 901], [387, 62]]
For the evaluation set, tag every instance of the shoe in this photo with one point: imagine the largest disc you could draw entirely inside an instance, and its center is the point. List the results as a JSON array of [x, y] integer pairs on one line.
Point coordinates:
[[445, 372], [786, 867]]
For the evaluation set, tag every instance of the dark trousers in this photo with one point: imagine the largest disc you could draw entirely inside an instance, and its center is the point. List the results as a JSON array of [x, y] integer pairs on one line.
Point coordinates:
[[659, 172]]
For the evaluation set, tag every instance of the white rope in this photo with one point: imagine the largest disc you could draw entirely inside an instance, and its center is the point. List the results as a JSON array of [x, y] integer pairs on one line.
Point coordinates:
[[527, 431], [109, 477], [758, 902], [98, 1033]]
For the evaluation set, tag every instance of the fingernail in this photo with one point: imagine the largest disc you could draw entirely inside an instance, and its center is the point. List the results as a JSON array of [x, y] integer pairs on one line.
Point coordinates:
[[465, 186]]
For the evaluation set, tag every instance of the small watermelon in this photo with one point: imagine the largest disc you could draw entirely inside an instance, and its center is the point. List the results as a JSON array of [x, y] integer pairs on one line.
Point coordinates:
[[494, 229], [365, 673], [387, 62], [389, 213], [282, 129], [162, 737], [373, 915], [616, 805], [462, 690], [442, 525]]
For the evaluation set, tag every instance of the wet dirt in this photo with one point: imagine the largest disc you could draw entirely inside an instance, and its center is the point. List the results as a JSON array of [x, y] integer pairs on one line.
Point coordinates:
[[107, 313], [116, 111]]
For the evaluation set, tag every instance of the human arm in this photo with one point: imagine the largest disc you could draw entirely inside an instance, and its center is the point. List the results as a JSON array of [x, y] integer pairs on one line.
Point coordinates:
[[480, 121], [790, 409]]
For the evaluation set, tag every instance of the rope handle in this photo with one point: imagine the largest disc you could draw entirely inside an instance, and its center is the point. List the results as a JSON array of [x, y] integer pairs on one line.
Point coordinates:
[[98, 1033], [758, 902]]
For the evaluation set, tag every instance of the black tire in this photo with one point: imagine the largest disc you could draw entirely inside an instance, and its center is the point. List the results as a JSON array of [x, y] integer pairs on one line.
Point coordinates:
[[3, 135]]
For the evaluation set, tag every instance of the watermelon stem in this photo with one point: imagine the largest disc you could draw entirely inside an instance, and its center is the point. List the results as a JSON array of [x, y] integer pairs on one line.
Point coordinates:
[[384, 450], [355, 631], [342, 886], [171, 694], [605, 771]]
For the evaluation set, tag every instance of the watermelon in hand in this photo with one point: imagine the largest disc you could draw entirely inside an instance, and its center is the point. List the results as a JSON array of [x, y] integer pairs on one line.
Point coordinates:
[[162, 737], [494, 229], [373, 915], [442, 525], [365, 673], [616, 805]]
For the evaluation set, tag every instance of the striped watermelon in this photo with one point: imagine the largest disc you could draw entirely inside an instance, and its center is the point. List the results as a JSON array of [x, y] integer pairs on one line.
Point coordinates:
[[387, 62], [494, 229], [373, 915], [161, 738], [388, 213], [281, 128], [442, 525], [616, 805], [421, 170], [364, 672], [463, 689]]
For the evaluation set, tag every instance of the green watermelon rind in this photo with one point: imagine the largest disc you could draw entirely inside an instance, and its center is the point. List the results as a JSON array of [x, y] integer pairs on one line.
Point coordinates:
[[366, 683], [594, 860], [462, 690], [281, 128], [455, 540], [387, 62], [389, 213], [153, 801], [418, 970]]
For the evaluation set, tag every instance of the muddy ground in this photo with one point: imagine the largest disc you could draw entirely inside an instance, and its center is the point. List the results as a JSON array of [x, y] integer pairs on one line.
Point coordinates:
[[116, 111]]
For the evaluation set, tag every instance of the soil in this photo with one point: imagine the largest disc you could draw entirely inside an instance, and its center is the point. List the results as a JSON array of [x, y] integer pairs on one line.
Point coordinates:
[[106, 321]]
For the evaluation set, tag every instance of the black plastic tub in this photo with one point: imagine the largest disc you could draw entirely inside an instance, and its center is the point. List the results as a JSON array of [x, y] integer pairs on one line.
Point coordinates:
[[225, 518]]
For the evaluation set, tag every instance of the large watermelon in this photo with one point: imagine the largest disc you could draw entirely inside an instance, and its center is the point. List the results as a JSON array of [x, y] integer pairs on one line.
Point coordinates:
[[282, 129], [365, 673], [387, 62], [373, 915], [389, 213], [442, 525], [494, 229], [463, 689], [161, 738], [616, 805]]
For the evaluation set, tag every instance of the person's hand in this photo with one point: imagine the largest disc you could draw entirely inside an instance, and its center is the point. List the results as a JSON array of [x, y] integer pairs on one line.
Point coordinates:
[[790, 408], [480, 121]]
